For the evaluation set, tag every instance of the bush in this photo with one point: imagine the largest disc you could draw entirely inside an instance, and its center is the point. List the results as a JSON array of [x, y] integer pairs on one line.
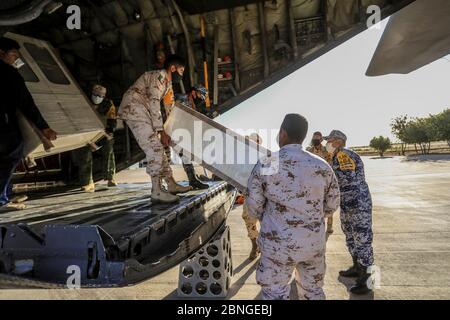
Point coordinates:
[[381, 144]]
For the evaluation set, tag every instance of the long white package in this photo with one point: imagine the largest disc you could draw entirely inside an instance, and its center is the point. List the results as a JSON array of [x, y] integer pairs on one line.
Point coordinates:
[[60, 101], [220, 150]]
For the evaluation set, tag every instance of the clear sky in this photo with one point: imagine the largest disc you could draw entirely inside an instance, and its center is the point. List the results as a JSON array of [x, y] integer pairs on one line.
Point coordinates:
[[333, 93]]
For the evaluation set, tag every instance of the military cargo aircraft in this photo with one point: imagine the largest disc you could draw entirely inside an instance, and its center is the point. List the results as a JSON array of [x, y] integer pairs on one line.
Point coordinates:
[[235, 48]]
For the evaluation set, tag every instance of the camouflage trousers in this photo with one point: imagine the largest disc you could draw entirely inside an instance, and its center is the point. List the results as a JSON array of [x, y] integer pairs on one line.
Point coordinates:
[[184, 159], [276, 268], [149, 141], [250, 224], [108, 159], [357, 227], [83, 159]]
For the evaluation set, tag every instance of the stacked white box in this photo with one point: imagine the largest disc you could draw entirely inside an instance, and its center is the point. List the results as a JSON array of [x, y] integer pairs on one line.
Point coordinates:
[[207, 274]]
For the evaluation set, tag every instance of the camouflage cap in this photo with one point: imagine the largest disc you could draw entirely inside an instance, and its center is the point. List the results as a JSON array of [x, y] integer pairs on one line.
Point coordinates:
[[336, 134], [99, 90]]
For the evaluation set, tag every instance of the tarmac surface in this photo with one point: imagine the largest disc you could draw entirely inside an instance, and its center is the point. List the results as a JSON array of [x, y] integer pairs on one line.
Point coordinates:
[[411, 223]]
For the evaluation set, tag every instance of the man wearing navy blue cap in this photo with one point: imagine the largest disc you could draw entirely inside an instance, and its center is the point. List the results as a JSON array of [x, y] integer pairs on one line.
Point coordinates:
[[356, 209]]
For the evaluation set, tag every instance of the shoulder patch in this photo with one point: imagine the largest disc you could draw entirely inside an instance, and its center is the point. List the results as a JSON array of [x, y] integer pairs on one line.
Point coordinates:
[[161, 78], [345, 162]]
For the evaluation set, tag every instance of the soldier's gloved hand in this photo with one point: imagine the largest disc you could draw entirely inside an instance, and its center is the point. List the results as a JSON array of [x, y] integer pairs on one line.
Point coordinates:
[[165, 138]]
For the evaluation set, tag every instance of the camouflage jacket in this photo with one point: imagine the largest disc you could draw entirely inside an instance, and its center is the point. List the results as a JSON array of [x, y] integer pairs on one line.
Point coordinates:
[[291, 193], [349, 170], [108, 114], [320, 151], [142, 101]]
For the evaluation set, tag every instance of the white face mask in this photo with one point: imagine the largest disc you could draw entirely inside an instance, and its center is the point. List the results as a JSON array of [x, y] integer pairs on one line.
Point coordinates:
[[330, 148], [96, 99], [18, 63]]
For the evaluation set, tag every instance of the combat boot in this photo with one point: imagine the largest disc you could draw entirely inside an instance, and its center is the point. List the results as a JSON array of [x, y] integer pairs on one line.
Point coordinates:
[[89, 187], [255, 250], [174, 188], [193, 181], [19, 199], [160, 196], [361, 283], [13, 206], [351, 272], [112, 183]]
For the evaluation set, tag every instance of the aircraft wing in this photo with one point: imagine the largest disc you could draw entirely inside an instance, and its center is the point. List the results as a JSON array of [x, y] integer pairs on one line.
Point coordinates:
[[414, 37]]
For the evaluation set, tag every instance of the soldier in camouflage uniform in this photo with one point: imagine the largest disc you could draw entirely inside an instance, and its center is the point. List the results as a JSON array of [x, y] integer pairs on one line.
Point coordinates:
[[356, 209], [318, 149], [108, 113], [291, 193], [251, 223], [83, 156], [140, 109]]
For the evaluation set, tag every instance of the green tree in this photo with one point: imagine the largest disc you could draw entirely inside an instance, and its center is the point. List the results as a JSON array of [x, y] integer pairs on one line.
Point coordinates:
[[398, 127], [441, 126], [381, 144], [419, 131]]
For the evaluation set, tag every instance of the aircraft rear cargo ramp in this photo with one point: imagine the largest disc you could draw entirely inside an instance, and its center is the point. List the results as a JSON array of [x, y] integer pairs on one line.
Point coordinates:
[[114, 236]]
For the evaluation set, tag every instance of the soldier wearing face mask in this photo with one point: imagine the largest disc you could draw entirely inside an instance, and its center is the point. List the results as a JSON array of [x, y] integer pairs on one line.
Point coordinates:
[[320, 150], [83, 157], [141, 110], [14, 97], [317, 148], [356, 209], [105, 108]]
